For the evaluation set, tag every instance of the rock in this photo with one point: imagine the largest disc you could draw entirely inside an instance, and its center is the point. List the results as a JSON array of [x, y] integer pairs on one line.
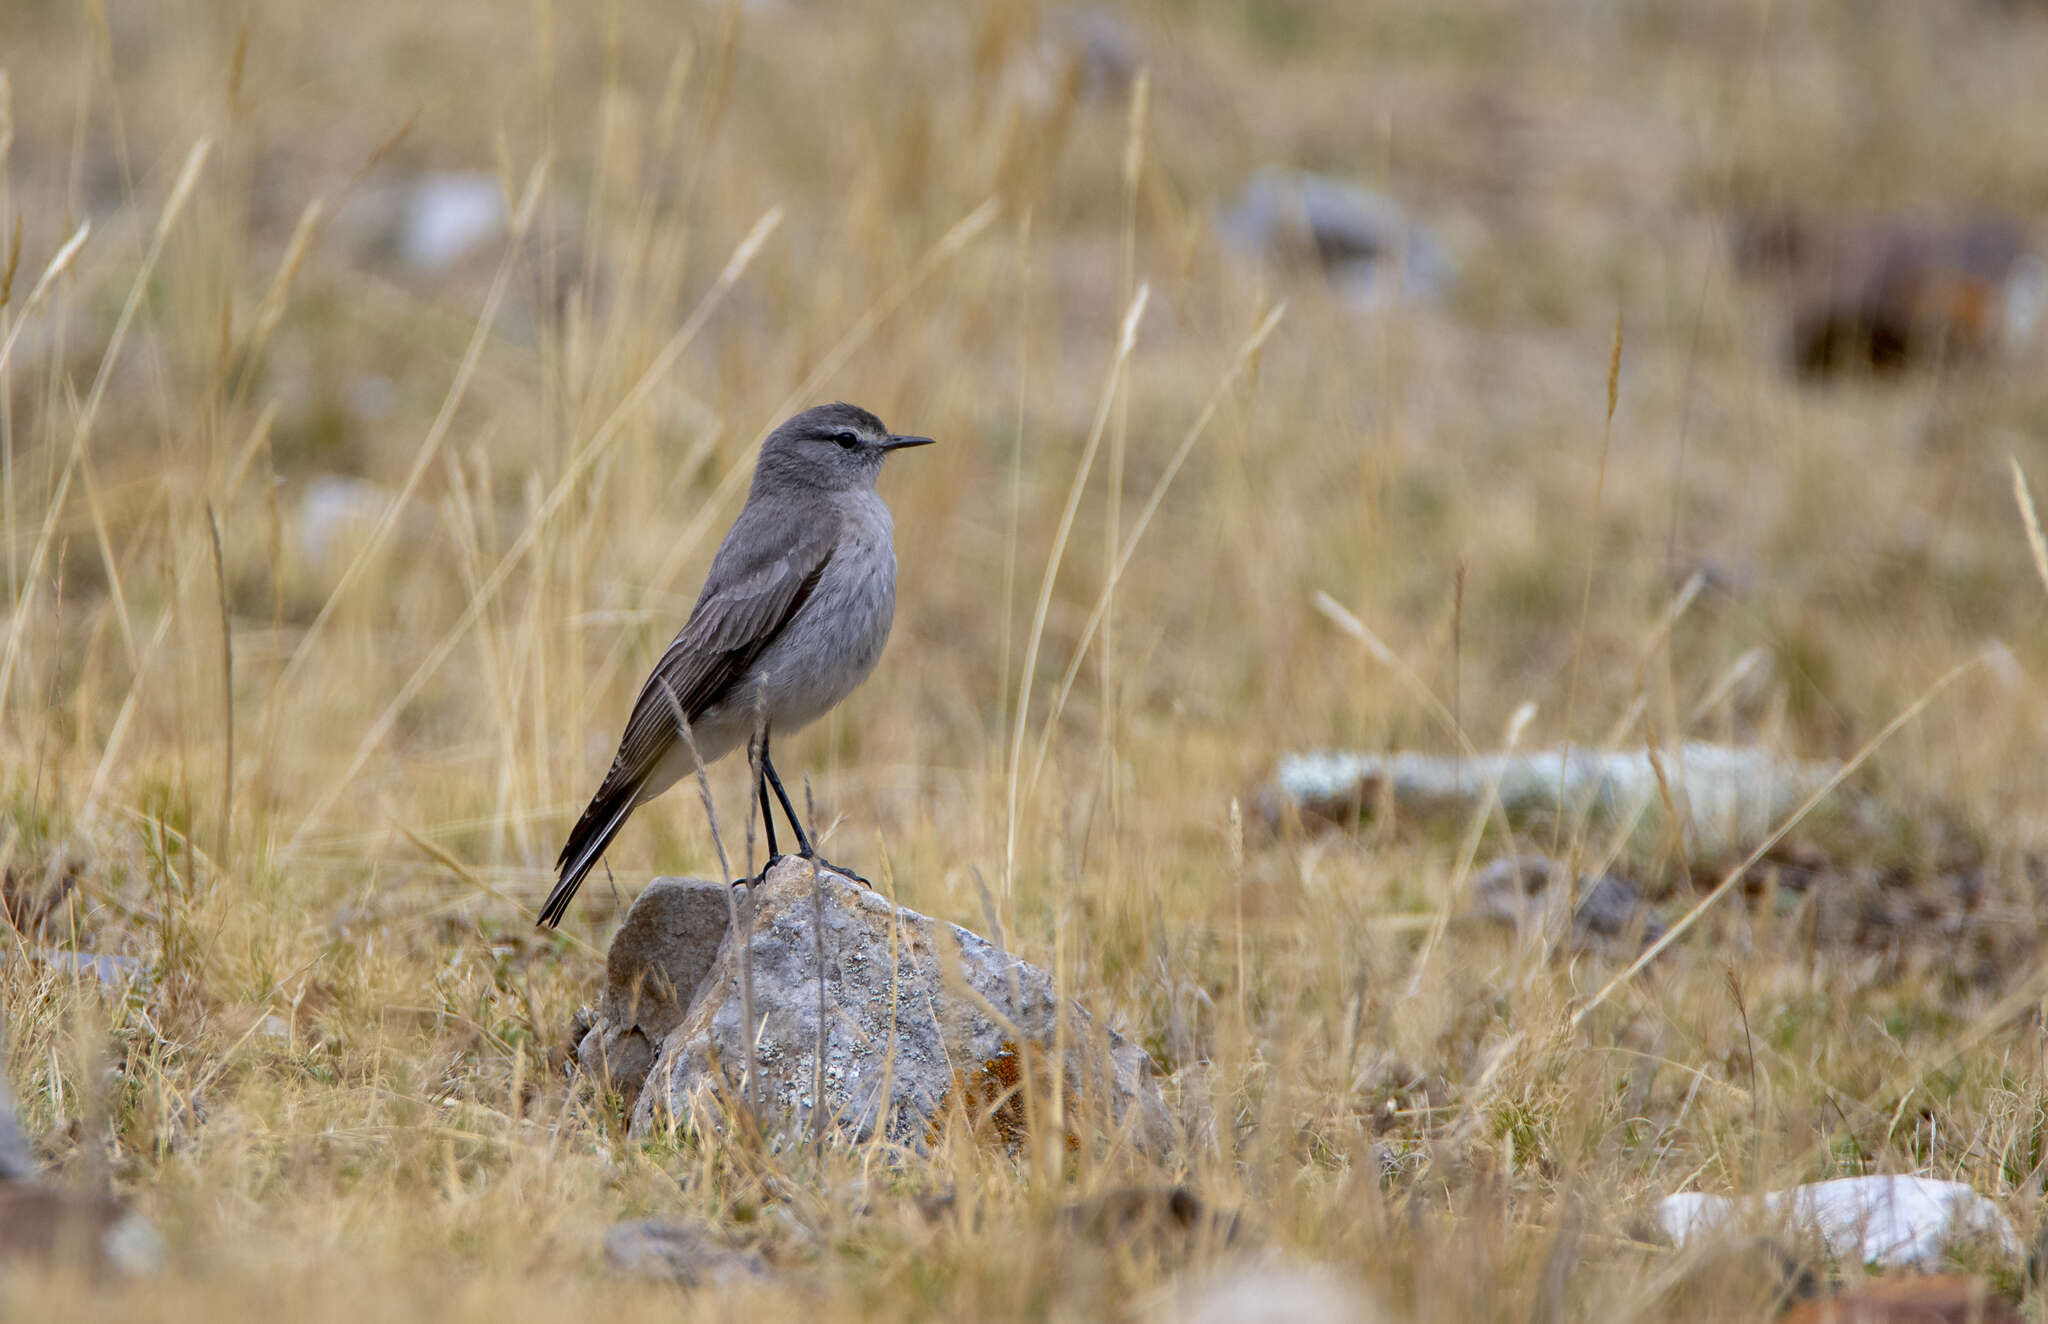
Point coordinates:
[[334, 507], [1895, 1222], [686, 1253], [1898, 291], [447, 215], [1274, 1293], [1364, 244], [337, 512], [1728, 797], [427, 223], [922, 1024], [1527, 893], [1932, 1299], [661, 953]]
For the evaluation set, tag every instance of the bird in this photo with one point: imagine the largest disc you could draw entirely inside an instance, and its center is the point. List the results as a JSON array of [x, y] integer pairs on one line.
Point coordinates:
[[792, 617]]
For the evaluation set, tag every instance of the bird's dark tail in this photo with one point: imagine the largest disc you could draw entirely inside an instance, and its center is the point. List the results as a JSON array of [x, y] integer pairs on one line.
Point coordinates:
[[587, 841]]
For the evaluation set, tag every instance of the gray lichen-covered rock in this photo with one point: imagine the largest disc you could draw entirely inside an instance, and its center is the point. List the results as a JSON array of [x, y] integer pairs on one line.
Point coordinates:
[[871, 1019], [661, 953]]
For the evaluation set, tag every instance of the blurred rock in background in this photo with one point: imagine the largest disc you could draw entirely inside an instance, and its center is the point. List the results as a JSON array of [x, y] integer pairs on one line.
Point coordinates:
[[1363, 243], [1896, 292]]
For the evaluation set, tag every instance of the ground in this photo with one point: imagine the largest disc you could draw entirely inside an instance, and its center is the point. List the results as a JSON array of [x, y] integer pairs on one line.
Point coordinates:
[[310, 771]]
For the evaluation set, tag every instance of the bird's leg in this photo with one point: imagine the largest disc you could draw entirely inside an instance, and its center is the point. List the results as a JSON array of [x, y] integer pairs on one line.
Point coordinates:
[[767, 818], [767, 813], [803, 840]]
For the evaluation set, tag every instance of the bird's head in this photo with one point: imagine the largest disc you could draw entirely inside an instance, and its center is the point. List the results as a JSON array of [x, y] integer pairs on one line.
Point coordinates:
[[835, 447]]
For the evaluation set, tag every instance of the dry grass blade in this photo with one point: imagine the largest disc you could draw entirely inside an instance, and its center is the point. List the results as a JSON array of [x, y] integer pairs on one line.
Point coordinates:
[[59, 263], [2037, 546], [1339, 616], [174, 207], [446, 859], [227, 688], [1126, 341], [430, 448], [1096, 617]]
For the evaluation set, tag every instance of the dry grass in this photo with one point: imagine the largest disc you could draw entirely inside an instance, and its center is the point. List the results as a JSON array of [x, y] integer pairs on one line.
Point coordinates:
[[339, 1092]]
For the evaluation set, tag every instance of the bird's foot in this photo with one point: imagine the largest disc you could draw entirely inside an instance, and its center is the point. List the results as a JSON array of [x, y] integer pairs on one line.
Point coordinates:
[[768, 867], [815, 860], [820, 862]]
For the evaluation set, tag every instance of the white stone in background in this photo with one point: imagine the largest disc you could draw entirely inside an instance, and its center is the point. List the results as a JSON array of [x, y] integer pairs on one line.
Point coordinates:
[[1895, 1222], [2026, 295], [1730, 796], [334, 508], [448, 215], [133, 1246]]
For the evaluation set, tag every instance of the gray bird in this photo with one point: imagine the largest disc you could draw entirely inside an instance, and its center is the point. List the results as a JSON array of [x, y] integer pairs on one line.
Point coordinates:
[[793, 615]]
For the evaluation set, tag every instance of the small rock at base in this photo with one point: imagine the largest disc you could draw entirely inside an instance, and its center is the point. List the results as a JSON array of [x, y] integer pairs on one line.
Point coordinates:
[[667, 943], [1900, 1222]]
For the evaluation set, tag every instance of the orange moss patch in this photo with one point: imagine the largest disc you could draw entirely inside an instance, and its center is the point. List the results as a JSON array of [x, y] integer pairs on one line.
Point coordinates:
[[991, 1101]]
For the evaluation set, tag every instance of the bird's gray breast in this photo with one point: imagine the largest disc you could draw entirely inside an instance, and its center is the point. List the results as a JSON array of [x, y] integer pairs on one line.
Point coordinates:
[[837, 636]]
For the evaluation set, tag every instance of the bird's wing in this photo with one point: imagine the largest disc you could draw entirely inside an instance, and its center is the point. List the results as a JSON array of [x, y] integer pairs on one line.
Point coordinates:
[[756, 586]]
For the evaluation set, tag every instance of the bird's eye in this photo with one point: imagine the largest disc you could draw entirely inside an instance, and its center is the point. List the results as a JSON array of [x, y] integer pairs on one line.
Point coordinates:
[[847, 440]]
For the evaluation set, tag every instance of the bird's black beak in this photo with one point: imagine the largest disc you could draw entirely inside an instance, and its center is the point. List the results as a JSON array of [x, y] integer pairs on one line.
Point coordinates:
[[895, 443]]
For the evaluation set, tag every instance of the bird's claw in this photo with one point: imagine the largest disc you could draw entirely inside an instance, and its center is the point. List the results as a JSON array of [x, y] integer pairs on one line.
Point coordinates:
[[815, 860], [818, 861]]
